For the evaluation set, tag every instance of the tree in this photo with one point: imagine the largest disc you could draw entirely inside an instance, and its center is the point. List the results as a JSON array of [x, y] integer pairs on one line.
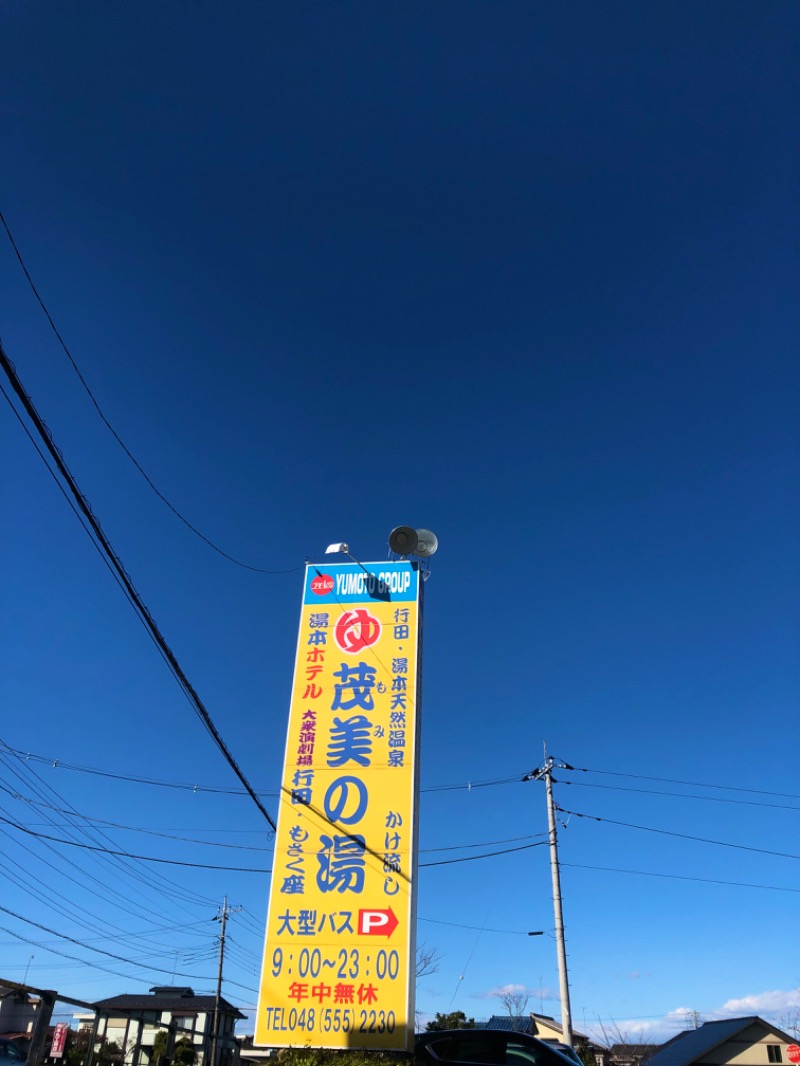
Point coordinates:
[[585, 1052], [612, 1034], [515, 1000], [75, 1053], [184, 1053], [428, 960], [159, 1045], [111, 1051], [456, 1019], [296, 1056]]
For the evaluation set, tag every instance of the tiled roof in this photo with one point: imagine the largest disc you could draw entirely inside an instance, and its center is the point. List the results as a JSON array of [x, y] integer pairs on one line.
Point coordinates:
[[622, 1051], [526, 1023], [176, 1004], [686, 1047], [515, 1024]]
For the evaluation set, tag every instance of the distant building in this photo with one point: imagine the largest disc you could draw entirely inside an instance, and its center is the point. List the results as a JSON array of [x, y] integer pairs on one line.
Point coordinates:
[[747, 1041], [542, 1025], [18, 1012], [250, 1054], [631, 1054], [132, 1022]]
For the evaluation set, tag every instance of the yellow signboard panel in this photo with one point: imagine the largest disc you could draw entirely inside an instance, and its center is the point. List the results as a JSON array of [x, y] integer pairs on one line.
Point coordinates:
[[338, 967]]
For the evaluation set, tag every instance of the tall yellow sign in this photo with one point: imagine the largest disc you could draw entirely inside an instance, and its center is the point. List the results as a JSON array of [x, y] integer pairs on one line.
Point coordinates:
[[339, 953]]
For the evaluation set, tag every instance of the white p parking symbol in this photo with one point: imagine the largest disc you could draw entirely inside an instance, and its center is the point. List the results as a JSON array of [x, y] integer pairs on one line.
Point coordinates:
[[371, 921], [377, 923]]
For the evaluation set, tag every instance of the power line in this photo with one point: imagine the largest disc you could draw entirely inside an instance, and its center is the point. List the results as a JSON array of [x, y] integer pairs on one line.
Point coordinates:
[[185, 786], [247, 869], [681, 877], [236, 847], [71, 505], [467, 786], [680, 795], [153, 880], [80, 944], [683, 836], [130, 855], [23, 880], [677, 781], [75, 958], [57, 763], [483, 843], [134, 779], [488, 855], [141, 607], [116, 436], [478, 928]]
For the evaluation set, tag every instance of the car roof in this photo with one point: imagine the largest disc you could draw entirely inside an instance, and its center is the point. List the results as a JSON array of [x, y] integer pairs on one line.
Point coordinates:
[[435, 1034], [495, 1034]]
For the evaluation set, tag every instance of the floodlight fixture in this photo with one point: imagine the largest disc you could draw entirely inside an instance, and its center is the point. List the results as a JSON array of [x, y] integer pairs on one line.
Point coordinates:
[[427, 543], [403, 540], [336, 549]]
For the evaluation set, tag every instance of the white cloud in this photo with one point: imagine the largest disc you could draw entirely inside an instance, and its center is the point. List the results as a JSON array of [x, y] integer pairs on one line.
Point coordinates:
[[511, 990], [764, 1003], [775, 1006]]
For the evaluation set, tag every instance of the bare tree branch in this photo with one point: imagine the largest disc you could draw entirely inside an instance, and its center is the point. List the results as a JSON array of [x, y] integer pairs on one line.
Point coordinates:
[[428, 961]]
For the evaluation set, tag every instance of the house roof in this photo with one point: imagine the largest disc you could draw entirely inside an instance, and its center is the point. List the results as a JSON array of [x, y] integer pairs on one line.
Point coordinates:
[[516, 1023], [177, 1004], [526, 1023], [687, 1047], [622, 1051]]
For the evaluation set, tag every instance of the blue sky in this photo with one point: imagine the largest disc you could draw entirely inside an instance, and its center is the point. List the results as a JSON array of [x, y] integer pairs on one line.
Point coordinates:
[[523, 274]]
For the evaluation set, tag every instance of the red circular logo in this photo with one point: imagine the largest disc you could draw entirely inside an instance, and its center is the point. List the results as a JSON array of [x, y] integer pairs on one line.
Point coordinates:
[[322, 584], [793, 1053], [356, 630]]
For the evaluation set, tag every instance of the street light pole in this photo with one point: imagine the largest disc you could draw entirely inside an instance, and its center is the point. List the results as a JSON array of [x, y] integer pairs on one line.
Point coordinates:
[[545, 772]]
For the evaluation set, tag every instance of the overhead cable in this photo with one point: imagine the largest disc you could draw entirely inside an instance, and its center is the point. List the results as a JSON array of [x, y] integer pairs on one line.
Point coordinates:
[[130, 855], [153, 880], [116, 436], [681, 877], [677, 781], [467, 786], [249, 869], [90, 820], [116, 562], [683, 836], [488, 855], [75, 958], [57, 763], [82, 944], [680, 795]]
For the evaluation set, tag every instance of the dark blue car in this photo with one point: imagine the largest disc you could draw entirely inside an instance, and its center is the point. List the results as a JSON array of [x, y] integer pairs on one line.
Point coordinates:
[[486, 1047]]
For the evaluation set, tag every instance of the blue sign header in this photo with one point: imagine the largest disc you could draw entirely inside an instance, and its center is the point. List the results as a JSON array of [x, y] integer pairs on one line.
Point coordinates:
[[390, 582]]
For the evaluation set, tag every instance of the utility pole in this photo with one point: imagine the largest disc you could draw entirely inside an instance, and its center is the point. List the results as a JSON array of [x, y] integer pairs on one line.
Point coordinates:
[[223, 918], [545, 772]]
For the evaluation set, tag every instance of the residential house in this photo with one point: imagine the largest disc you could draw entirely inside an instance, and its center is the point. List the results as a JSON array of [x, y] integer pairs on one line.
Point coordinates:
[[132, 1022], [747, 1041], [249, 1054], [631, 1054], [541, 1025], [545, 1028], [18, 1013]]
